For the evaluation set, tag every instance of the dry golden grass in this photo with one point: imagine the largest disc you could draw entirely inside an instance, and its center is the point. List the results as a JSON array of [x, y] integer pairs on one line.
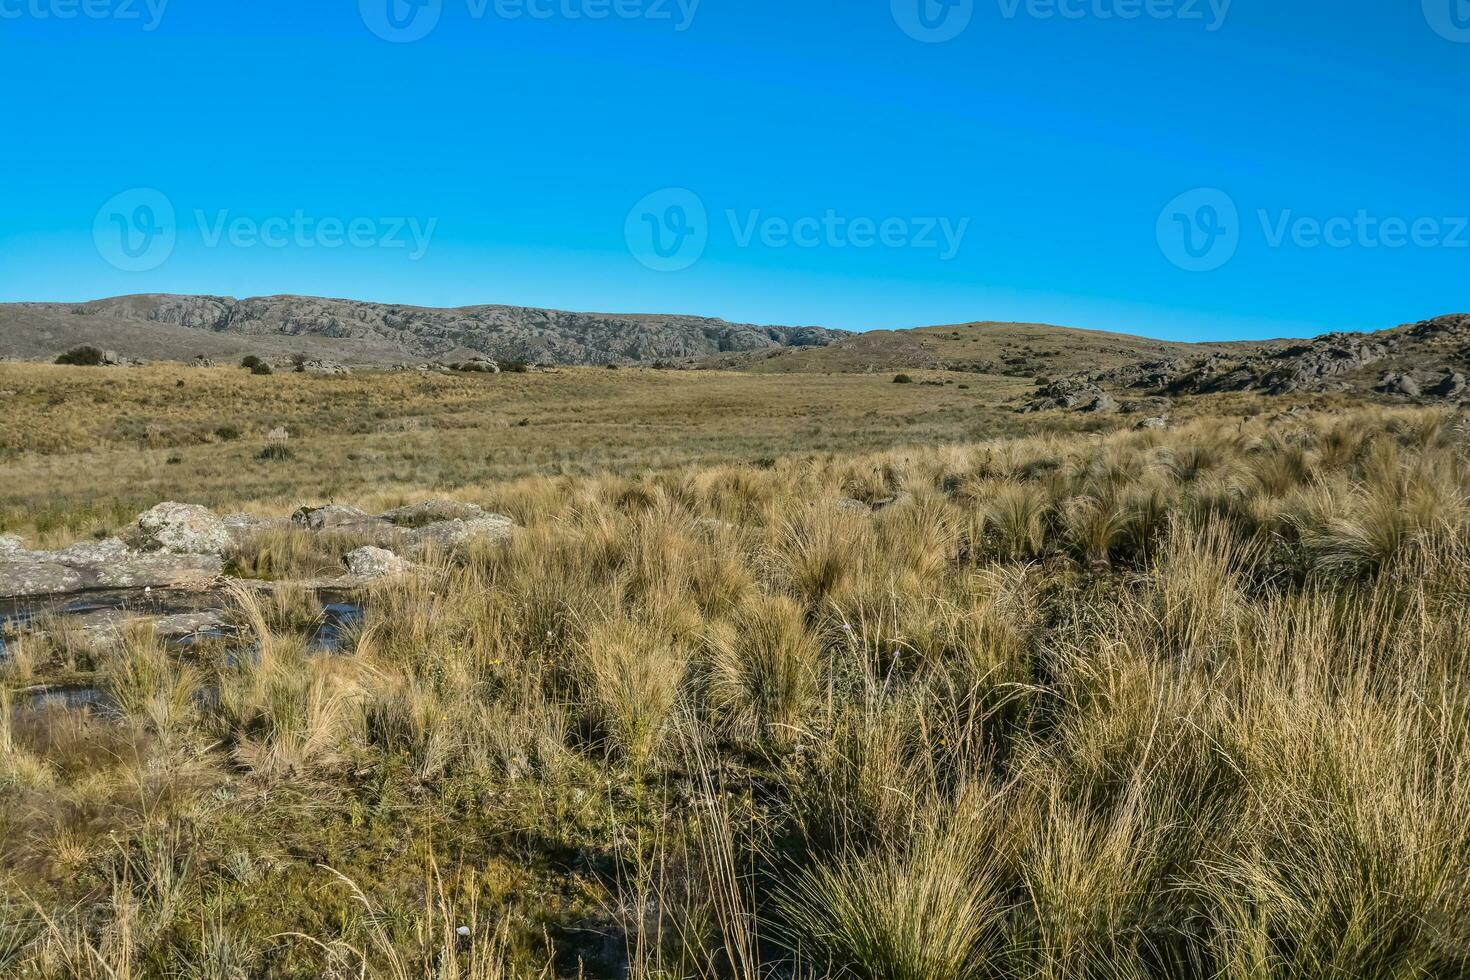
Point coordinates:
[[1137, 705], [85, 449]]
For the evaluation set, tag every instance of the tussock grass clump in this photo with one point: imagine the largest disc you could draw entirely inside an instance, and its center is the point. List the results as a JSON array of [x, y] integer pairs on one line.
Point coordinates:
[[764, 668]]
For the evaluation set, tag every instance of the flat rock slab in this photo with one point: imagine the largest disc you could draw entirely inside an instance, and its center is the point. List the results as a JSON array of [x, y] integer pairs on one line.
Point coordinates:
[[56, 573], [110, 624], [34, 578]]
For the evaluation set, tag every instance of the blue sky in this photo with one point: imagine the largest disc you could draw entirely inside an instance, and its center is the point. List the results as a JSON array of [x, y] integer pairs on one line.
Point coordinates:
[[1167, 167]]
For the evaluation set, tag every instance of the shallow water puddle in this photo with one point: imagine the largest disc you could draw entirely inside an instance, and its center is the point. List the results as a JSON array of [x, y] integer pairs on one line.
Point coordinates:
[[339, 621], [334, 632], [65, 696]]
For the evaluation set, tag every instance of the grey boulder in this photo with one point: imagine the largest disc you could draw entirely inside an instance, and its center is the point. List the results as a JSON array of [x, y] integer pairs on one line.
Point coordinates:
[[375, 563], [182, 529], [451, 534]]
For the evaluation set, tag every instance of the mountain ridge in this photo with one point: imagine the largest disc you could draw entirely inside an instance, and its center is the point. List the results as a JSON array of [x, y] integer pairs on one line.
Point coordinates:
[[375, 333]]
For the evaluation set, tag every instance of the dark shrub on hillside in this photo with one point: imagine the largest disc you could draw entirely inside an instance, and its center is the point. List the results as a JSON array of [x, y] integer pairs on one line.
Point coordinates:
[[275, 452], [82, 357], [227, 433], [261, 368], [902, 379], [514, 366], [250, 362]]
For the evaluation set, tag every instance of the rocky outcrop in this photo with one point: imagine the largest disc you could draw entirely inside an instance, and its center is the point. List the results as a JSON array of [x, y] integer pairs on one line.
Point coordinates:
[[434, 511], [1423, 356], [181, 546], [321, 367], [1422, 361], [1072, 395], [1447, 384]]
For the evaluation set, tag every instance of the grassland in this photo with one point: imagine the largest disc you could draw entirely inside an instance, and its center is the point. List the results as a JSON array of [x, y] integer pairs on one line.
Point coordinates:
[[746, 699], [85, 449]]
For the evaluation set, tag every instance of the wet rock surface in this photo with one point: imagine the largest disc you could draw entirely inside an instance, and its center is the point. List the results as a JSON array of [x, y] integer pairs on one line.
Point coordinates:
[[104, 565]]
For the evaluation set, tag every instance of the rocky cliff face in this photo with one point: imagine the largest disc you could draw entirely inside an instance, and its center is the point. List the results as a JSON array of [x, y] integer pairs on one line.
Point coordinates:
[[1332, 362], [1426, 360], [502, 332]]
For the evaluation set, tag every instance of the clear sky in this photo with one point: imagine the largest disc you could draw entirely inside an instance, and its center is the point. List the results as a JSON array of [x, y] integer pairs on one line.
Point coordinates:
[[1170, 167]]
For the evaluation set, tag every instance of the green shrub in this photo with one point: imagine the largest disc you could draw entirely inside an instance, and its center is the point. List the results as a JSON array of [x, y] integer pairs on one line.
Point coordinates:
[[84, 356], [902, 379]]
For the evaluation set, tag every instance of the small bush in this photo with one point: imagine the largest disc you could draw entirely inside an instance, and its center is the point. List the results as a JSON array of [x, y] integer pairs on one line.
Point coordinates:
[[227, 433], [250, 362], [276, 452], [261, 369], [82, 357], [902, 379]]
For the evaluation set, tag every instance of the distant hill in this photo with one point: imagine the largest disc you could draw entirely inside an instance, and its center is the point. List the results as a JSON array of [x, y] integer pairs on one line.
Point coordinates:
[[157, 326], [1025, 350]]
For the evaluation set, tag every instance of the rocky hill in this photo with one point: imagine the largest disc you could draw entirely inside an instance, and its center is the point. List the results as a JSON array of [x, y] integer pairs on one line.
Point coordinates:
[[144, 326], [1426, 358]]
